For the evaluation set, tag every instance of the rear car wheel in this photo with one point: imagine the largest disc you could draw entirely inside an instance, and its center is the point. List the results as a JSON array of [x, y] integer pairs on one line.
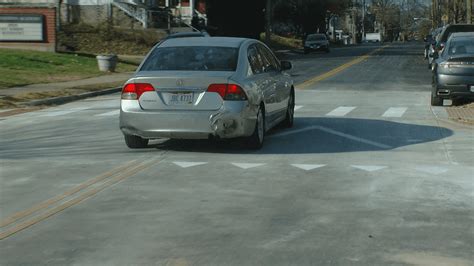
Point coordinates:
[[135, 142], [290, 111], [255, 141]]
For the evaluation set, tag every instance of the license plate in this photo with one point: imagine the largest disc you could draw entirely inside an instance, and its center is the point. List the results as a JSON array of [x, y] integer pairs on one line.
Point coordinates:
[[181, 98], [471, 88]]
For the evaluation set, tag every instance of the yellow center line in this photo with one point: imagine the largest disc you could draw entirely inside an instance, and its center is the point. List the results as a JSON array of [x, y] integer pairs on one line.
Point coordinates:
[[81, 197], [338, 69], [45, 204]]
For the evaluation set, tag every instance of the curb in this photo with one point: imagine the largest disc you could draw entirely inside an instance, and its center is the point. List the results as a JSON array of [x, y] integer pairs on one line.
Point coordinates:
[[71, 98]]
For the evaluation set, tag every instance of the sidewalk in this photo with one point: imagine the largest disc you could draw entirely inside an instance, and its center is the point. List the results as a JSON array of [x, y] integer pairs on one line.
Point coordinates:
[[49, 87], [463, 114], [29, 98]]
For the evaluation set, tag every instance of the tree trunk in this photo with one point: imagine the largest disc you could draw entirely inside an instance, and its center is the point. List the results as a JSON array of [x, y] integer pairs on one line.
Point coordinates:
[[268, 21]]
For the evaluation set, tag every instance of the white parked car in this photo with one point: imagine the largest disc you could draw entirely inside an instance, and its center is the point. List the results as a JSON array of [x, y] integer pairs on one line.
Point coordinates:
[[207, 87]]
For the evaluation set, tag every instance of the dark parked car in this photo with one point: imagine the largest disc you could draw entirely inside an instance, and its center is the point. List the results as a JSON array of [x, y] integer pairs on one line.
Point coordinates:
[[315, 42], [450, 29], [453, 70], [432, 48], [428, 41]]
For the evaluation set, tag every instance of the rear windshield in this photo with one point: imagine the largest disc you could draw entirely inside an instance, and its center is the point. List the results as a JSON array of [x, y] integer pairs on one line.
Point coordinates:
[[316, 38], [461, 46], [192, 58], [456, 28]]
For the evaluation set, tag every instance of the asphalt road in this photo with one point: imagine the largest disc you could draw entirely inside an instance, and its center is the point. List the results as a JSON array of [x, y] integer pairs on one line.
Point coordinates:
[[369, 175]]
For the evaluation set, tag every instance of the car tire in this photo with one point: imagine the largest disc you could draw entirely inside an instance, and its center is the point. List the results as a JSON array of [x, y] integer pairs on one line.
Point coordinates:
[[135, 142], [328, 50], [435, 99], [290, 111], [255, 141]]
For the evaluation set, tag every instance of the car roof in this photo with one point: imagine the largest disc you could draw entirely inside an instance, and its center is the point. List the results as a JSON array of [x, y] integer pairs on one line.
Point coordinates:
[[452, 28], [187, 34], [204, 41], [462, 34]]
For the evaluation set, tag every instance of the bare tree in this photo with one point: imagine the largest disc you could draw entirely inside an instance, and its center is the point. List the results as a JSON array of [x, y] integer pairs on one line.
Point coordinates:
[[388, 14]]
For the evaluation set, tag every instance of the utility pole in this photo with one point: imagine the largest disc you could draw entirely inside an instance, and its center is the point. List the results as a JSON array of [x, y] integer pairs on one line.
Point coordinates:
[[363, 20], [268, 20], [469, 11]]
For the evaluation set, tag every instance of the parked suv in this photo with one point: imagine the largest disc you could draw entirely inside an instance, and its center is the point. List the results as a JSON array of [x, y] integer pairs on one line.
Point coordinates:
[[453, 70]]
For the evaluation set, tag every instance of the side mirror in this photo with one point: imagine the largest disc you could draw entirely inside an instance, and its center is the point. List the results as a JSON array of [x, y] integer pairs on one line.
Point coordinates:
[[286, 65]]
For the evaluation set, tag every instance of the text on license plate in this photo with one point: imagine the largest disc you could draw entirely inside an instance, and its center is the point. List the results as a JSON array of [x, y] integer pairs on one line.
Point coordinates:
[[182, 98]]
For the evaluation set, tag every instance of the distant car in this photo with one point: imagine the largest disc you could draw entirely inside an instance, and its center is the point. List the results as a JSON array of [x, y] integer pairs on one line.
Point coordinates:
[[453, 70], [316, 42], [207, 87]]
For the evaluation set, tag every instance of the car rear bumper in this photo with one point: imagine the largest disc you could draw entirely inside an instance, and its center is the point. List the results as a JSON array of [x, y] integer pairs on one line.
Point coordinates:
[[316, 48], [233, 119], [454, 86]]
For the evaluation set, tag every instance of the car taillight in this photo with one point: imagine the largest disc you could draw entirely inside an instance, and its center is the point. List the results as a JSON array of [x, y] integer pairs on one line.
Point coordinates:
[[133, 91], [228, 92]]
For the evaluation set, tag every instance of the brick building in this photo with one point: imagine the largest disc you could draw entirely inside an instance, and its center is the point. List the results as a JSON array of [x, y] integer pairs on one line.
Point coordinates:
[[28, 24]]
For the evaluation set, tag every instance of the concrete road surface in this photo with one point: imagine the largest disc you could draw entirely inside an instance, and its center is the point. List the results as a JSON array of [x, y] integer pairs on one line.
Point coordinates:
[[369, 175]]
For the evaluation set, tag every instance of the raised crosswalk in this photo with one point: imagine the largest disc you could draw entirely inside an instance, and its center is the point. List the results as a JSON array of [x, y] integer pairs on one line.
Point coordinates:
[[341, 111], [395, 112], [369, 168], [368, 112]]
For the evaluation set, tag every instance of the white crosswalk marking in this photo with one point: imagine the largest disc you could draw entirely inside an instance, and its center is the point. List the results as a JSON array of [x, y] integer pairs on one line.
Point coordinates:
[[341, 111], [111, 113], [369, 168], [188, 164], [395, 112], [247, 165], [58, 113], [64, 112], [308, 167]]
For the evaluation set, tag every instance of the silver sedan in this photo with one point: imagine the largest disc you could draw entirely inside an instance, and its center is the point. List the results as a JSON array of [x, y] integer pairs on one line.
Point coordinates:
[[212, 87]]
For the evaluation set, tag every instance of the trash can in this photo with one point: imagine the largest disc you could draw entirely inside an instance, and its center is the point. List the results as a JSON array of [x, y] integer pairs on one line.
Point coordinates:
[[107, 63]]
